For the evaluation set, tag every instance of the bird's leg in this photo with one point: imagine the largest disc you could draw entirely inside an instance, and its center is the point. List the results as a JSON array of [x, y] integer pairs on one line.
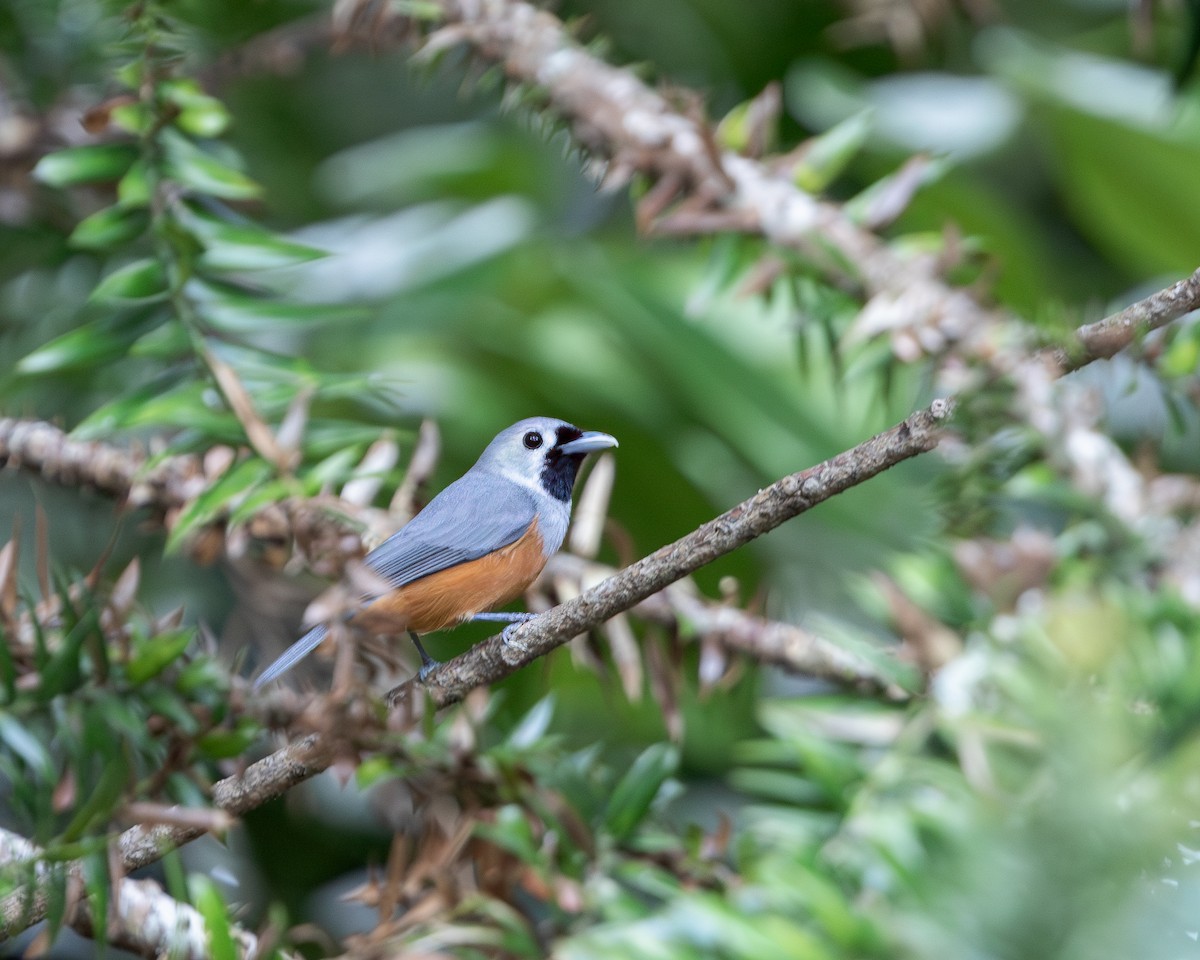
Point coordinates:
[[504, 617], [513, 620], [427, 662]]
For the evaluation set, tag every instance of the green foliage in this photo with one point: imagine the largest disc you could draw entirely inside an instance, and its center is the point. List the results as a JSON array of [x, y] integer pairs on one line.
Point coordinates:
[[179, 302], [1032, 798], [101, 706]]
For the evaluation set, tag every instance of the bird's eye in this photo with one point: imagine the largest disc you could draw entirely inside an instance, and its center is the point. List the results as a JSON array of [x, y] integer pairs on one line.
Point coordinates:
[[532, 439]]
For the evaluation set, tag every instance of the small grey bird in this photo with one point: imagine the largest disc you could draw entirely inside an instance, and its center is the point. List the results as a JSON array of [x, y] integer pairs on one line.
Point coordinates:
[[478, 544]]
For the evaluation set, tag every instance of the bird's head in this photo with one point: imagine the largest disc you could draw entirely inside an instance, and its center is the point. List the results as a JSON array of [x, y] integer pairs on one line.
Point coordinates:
[[542, 453]]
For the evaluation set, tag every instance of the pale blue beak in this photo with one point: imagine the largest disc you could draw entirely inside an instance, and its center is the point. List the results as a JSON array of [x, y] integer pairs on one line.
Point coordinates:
[[590, 441]]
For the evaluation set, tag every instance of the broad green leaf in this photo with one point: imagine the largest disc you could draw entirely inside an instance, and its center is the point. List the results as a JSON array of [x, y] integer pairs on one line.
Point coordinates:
[[168, 341], [120, 413], [334, 469], [742, 124], [268, 493], [511, 830], [635, 792], [1126, 174], [61, 672], [1125, 188], [372, 770], [203, 172], [220, 496], [199, 675], [888, 197], [99, 803], [142, 280], [248, 248], [224, 744], [159, 700], [131, 74], [134, 117], [185, 792], [1182, 357], [92, 164], [242, 314], [55, 885], [154, 654], [186, 407], [8, 674], [108, 228], [533, 725]]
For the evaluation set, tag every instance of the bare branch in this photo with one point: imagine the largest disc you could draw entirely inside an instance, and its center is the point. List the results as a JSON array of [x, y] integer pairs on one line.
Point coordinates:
[[1108, 337]]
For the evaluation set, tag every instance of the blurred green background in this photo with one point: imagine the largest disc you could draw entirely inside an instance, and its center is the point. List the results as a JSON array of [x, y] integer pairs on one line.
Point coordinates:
[[476, 275]]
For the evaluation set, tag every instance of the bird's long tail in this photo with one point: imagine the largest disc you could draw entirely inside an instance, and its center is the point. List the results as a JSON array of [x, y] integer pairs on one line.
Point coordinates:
[[293, 655]]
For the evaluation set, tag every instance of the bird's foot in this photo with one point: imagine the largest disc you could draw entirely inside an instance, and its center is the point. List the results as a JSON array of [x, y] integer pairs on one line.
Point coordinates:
[[513, 620]]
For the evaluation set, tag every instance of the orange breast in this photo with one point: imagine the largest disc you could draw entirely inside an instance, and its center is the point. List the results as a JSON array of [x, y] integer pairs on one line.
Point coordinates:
[[457, 593]]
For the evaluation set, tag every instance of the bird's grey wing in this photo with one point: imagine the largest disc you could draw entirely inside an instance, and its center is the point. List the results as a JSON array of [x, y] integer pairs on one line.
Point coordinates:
[[474, 516]]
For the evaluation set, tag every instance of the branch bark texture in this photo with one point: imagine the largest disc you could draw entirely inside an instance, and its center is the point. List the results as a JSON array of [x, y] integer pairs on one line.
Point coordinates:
[[44, 449], [1108, 337]]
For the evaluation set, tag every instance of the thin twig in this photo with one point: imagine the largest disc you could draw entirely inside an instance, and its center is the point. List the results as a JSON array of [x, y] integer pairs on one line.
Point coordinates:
[[1108, 337]]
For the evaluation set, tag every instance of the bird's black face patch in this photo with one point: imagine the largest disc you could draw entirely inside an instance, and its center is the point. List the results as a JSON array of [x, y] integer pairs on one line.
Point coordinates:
[[565, 434], [560, 469]]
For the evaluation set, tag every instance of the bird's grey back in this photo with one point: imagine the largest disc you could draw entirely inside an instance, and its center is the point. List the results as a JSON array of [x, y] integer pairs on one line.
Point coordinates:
[[476, 515]]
